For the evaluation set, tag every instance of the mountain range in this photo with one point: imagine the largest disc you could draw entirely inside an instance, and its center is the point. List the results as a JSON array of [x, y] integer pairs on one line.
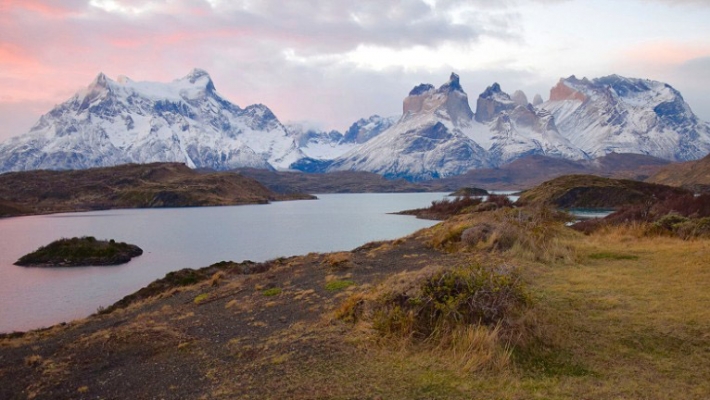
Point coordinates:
[[438, 134]]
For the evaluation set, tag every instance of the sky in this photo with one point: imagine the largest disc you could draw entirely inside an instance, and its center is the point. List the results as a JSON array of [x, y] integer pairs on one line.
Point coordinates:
[[331, 62]]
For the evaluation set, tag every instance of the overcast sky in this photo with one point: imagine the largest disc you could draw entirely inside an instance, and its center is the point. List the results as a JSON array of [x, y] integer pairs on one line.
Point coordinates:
[[332, 62]]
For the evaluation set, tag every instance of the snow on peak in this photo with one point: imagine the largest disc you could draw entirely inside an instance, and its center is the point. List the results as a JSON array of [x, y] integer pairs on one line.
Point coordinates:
[[198, 75], [449, 102], [491, 102], [421, 89], [452, 84], [111, 123], [627, 115]]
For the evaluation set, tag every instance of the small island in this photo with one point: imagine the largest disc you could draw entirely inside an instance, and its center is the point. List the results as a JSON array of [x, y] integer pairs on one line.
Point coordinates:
[[77, 252]]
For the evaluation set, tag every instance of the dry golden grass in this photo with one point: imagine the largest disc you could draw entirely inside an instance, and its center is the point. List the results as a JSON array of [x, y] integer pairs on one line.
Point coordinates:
[[624, 316], [338, 260], [637, 319]]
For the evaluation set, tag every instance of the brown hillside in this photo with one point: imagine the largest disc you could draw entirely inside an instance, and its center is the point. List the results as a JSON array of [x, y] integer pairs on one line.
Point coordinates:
[[587, 191], [531, 171], [694, 175], [334, 182], [126, 186]]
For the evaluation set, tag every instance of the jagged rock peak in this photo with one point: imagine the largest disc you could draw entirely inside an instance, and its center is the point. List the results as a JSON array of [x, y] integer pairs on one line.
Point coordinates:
[[519, 98], [421, 89], [491, 102], [452, 84], [491, 90], [564, 91], [100, 80], [537, 100], [202, 76], [449, 99]]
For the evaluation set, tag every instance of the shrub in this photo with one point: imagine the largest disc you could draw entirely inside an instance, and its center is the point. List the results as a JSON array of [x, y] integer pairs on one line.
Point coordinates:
[[499, 200], [532, 233], [670, 222], [476, 234], [339, 259], [438, 304]]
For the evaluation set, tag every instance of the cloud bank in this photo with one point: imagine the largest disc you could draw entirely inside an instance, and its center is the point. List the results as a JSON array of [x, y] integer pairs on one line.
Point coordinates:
[[325, 60]]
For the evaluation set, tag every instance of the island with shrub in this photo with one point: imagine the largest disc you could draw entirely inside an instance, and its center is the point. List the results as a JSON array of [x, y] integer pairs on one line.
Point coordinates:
[[83, 251]]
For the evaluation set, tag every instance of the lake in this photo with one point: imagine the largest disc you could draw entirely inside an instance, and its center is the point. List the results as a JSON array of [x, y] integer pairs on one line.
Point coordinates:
[[176, 238]]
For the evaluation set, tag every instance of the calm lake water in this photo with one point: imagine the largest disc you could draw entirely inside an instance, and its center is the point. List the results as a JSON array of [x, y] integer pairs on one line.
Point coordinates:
[[177, 238]]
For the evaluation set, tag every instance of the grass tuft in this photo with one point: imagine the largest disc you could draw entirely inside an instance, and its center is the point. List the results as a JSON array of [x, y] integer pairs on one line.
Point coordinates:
[[338, 285], [272, 292], [201, 298]]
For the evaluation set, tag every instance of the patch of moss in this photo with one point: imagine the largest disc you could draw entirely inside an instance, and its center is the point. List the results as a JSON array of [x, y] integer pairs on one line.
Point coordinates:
[[272, 292], [201, 298], [338, 285]]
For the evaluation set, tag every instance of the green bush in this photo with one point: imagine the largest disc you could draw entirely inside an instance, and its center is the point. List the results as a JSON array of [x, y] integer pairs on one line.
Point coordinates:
[[450, 299], [670, 222]]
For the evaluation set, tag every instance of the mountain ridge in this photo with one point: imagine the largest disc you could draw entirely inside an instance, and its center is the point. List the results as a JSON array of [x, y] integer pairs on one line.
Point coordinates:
[[437, 135]]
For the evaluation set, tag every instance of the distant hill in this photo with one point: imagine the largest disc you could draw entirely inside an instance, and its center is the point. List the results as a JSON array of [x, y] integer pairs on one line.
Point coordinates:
[[531, 171], [694, 175], [587, 191], [334, 182], [127, 186]]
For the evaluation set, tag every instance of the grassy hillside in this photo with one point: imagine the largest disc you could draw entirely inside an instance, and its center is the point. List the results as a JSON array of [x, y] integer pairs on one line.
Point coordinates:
[[126, 186], [503, 304], [693, 175], [587, 191]]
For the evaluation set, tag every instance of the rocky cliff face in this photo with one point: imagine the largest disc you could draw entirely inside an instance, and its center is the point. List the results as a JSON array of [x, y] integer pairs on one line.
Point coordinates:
[[513, 128], [492, 102], [428, 140]]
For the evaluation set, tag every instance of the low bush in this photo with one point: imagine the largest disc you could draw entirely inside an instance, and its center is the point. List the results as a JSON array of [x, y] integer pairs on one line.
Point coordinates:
[[434, 304], [468, 315], [448, 207], [531, 233], [684, 216]]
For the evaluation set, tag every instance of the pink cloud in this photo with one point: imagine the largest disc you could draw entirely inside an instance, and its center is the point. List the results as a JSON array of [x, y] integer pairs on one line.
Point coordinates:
[[665, 53]]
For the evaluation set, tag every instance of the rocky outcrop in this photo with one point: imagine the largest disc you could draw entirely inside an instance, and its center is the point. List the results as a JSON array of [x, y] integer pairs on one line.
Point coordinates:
[[519, 98], [562, 91], [492, 102]]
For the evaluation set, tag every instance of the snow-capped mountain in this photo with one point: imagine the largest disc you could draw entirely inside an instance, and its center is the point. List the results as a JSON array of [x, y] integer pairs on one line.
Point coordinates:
[[510, 128], [318, 144], [122, 121], [439, 135], [427, 142], [625, 115]]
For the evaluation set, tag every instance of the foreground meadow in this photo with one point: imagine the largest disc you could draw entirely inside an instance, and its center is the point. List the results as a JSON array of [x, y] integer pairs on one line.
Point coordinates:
[[505, 303]]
